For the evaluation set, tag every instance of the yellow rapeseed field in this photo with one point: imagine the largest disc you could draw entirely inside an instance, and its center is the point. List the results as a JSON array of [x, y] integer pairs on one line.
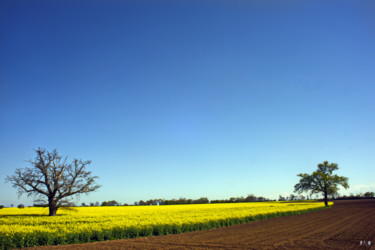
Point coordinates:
[[32, 226]]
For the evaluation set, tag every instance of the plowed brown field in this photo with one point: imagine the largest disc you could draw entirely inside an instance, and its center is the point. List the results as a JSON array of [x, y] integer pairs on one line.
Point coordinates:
[[343, 226]]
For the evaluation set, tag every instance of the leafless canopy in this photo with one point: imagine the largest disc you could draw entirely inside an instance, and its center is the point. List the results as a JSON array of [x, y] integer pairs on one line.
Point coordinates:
[[53, 180]]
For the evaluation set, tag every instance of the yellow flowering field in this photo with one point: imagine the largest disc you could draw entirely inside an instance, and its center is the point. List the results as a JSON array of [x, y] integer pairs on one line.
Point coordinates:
[[32, 226]]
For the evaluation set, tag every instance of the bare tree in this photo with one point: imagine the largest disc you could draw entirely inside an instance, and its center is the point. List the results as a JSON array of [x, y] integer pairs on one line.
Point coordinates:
[[52, 180]]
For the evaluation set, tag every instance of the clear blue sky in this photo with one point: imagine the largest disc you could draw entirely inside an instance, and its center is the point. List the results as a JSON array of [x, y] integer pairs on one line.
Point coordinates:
[[187, 99]]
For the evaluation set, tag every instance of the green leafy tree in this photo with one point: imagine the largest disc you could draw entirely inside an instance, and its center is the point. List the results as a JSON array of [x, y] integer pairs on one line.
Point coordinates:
[[113, 203], [322, 181], [368, 194]]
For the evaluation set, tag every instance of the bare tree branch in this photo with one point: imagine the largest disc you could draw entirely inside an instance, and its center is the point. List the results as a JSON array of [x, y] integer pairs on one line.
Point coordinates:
[[55, 180]]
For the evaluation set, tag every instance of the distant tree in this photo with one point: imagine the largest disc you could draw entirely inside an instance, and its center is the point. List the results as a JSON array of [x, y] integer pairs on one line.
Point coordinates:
[[112, 203], [39, 205], [21, 206], [368, 194], [232, 199], [52, 180], [97, 204], [307, 195], [1, 206], [322, 181], [251, 198], [202, 200], [292, 197], [260, 198], [11, 205], [104, 203], [334, 195], [83, 204], [281, 198], [92, 204]]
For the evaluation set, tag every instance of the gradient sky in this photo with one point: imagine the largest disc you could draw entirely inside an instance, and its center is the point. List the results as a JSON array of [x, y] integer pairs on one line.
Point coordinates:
[[187, 99]]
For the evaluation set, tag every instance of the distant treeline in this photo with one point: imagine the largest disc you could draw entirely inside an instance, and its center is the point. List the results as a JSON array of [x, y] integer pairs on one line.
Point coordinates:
[[367, 195], [205, 200], [179, 201], [202, 200], [292, 197], [249, 198]]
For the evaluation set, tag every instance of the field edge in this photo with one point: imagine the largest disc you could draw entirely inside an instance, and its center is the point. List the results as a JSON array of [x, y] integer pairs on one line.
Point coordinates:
[[46, 239]]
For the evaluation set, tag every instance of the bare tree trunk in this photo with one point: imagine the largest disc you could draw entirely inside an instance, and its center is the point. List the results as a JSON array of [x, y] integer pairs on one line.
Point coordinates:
[[52, 207], [325, 198], [52, 211]]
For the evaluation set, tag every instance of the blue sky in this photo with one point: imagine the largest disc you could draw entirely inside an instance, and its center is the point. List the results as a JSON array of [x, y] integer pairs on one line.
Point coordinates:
[[187, 99]]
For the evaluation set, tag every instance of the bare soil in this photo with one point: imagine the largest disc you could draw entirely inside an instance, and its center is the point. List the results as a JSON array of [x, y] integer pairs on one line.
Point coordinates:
[[343, 226]]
